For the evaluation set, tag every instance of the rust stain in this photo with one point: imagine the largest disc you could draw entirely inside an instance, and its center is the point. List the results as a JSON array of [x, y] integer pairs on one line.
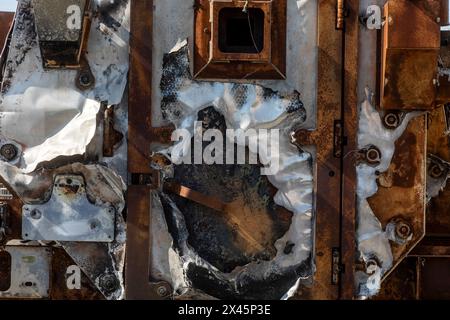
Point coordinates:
[[327, 167], [410, 49], [402, 172]]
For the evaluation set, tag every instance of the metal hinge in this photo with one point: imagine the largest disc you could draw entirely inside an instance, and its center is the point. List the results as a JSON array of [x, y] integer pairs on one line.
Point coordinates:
[[339, 139], [336, 266], [152, 180]]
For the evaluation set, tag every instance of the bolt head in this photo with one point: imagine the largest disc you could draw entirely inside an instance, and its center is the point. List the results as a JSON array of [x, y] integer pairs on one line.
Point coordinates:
[[162, 291], [109, 282], [36, 214], [391, 120], [403, 230], [373, 156], [9, 151], [85, 79]]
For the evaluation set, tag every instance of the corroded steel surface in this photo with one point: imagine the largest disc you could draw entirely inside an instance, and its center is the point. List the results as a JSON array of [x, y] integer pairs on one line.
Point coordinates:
[[327, 166], [141, 135], [402, 189], [410, 49]]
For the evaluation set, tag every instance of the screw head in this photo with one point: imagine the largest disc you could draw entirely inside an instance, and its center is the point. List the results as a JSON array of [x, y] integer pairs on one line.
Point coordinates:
[[85, 79], [9, 151], [403, 230], [373, 155], [162, 291], [391, 120], [109, 282], [36, 214]]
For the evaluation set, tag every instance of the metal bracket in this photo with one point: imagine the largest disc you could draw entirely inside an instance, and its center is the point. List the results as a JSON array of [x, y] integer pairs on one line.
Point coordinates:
[[339, 139], [336, 267], [152, 180], [68, 215], [30, 273]]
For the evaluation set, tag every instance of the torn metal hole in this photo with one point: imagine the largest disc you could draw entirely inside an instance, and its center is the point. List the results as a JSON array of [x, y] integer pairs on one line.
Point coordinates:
[[248, 230]]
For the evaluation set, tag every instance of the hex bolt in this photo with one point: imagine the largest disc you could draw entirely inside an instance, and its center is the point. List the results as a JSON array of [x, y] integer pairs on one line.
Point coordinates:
[[373, 155], [436, 171], [85, 80], [162, 291], [36, 214], [391, 120], [108, 282], [9, 151], [403, 230]]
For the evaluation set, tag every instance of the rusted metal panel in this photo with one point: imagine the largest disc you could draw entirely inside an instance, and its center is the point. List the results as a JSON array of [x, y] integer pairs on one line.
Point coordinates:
[[137, 268], [409, 79], [402, 190], [438, 141], [140, 136], [401, 284], [140, 131], [6, 19], [272, 64], [435, 278], [445, 12], [327, 166], [438, 144], [410, 48], [350, 130], [432, 246], [140, 75], [412, 24], [336, 100]]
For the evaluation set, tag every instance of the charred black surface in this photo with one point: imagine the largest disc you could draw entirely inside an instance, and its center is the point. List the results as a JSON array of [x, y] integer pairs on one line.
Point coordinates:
[[210, 232], [250, 284], [257, 280], [176, 75]]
